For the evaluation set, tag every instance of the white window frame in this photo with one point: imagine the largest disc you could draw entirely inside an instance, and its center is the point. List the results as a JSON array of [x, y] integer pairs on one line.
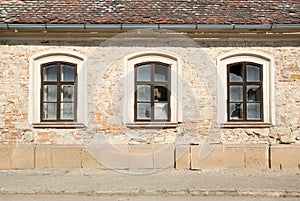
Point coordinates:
[[56, 55], [144, 57], [267, 63]]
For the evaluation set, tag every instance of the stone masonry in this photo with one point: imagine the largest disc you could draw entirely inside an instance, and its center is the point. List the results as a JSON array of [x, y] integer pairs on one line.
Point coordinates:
[[24, 147]]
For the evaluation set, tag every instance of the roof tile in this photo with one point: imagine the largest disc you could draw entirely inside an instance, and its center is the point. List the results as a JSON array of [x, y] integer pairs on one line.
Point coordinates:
[[151, 11]]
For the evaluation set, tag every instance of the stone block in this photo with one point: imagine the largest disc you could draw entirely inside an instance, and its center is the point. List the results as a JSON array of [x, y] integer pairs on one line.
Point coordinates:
[[22, 157], [182, 154], [207, 156], [256, 156], [43, 156], [66, 157], [163, 156], [115, 157], [5, 157], [89, 162], [141, 156], [234, 156], [285, 157]]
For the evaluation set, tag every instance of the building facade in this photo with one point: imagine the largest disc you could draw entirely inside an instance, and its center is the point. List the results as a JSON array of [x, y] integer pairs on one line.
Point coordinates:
[[112, 87]]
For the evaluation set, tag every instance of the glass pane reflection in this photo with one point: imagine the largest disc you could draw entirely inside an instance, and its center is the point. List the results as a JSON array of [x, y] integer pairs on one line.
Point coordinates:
[[143, 110], [161, 111], [236, 93], [67, 93], [161, 73], [253, 110], [67, 111], [50, 73], [143, 93], [67, 73], [253, 73], [50, 93], [49, 111], [143, 73]]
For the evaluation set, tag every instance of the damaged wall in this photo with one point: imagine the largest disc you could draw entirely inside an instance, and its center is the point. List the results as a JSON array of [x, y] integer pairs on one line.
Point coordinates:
[[105, 93]]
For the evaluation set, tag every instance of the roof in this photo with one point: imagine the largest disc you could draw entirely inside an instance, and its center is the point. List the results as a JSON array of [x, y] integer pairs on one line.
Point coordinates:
[[149, 12]]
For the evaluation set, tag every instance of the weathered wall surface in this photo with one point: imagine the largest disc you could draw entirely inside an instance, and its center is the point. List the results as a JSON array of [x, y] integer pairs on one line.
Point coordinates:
[[105, 91]]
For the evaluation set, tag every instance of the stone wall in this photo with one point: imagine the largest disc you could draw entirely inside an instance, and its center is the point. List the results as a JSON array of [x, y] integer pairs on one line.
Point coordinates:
[[105, 91]]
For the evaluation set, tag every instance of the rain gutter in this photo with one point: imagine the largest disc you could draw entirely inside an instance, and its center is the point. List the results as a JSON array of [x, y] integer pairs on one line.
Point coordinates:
[[119, 27]]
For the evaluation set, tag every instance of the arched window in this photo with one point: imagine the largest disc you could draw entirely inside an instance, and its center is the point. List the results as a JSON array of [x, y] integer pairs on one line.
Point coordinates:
[[57, 97], [245, 89], [152, 92]]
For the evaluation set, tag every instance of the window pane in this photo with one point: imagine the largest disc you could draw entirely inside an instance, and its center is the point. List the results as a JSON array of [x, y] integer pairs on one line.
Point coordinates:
[[236, 73], [143, 73], [50, 93], [67, 72], [253, 73], [236, 93], [160, 93], [50, 73], [143, 110], [67, 111], [236, 111], [253, 93], [161, 111], [161, 73], [253, 110], [67, 93], [143, 92], [49, 111]]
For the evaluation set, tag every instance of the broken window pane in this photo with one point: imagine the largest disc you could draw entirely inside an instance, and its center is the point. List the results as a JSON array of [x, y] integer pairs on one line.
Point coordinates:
[[50, 93], [236, 73], [67, 72], [143, 110], [161, 73], [253, 73], [253, 110], [50, 73], [160, 93], [143, 93], [236, 93], [67, 111], [143, 73], [236, 111], [253, 93], [49, 111], [161, 111], [67, 92]]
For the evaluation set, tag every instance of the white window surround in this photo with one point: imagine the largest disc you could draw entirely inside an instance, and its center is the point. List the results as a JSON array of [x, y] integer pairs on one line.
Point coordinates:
[[35, 84], [267, 63], [141, 57]]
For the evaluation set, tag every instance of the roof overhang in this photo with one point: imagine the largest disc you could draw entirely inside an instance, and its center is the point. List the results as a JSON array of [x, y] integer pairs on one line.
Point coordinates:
[[192, 30]]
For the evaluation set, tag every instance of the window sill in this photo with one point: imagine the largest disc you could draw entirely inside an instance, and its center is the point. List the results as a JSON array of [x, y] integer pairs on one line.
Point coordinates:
[[64, 125], [246, 125], [153, 125]]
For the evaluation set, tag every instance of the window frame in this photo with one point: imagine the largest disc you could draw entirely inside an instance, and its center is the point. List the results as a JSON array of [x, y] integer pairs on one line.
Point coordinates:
[[58, 83], [244, 85], [246, 55], [34, 99], [152, 83], [129, 88]]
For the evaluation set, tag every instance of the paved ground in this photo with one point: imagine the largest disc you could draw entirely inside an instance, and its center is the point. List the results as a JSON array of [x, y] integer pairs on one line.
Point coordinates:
[[166, 182], [132, 198]]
